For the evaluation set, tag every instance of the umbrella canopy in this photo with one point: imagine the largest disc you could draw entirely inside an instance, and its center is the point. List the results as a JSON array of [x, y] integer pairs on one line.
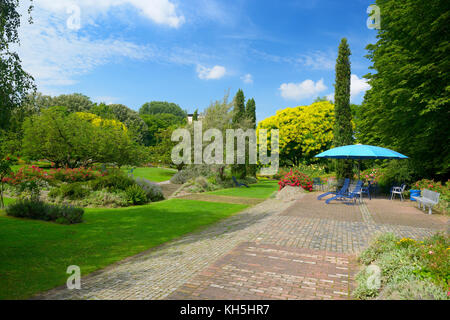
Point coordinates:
[[360, 152]]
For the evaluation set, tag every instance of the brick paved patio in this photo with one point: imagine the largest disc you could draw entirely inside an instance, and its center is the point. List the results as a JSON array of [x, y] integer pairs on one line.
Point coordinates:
[[274, 250]]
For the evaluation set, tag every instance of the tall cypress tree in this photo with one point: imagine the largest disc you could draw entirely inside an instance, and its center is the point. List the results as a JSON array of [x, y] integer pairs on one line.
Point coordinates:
[[195, 115], [250, 111], [343, 130], [238, 170]]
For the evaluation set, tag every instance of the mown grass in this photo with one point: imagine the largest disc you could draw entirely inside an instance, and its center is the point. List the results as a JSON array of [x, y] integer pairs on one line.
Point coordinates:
[[261, 190], [153, 174], [34, 255]]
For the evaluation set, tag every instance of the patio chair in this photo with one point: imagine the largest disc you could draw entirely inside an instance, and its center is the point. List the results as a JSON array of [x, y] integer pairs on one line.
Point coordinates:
[[398, 190], [366, 190], [343, 190], [355, 193], [238, 184], [317, 182]]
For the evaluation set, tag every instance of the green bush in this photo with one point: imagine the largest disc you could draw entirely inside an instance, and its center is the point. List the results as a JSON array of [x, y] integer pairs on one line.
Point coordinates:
[[154, 191], [71, 191], [410, 269], [136, 195], [103, 198], [192, 172], [112, 182], [413, 289], [40, 210], [396, 173]]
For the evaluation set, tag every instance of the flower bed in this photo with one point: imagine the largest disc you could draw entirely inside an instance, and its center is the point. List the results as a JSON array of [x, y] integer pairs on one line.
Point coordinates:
[[295, 178], [405, 269]]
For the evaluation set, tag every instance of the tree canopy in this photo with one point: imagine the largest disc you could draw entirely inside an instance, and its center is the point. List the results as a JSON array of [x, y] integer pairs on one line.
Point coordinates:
[[407, 107], [15, 83], [304, 131], [156, 107], [77, 139]]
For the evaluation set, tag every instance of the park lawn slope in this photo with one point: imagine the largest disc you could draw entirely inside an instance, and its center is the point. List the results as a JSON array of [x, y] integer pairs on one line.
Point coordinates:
[[153, 174], [261, 190], [34, 255]]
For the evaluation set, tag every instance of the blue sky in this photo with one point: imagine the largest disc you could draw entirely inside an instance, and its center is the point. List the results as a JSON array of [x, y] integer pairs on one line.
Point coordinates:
[[282, 53]]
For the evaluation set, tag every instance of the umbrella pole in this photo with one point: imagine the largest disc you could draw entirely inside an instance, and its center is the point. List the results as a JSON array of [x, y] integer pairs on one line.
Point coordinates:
[[359, 168]]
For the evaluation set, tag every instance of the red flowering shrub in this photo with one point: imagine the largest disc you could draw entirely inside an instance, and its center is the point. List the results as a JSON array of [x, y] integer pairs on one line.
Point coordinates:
[[27, 174], [33, 173], [75, 175], [296, 179]]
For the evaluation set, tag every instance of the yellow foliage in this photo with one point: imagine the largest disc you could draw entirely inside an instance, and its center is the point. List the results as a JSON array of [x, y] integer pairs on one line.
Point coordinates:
[[100, 122], [304, 131]]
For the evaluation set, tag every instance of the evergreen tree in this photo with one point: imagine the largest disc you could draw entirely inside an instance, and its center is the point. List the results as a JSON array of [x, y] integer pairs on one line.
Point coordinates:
[[343, 129], [238, 170], [239, 107], [250, 112], [195, 116]]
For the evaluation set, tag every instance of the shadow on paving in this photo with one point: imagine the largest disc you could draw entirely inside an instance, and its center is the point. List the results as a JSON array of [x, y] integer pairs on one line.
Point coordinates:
[[310, 207], [405, 213]]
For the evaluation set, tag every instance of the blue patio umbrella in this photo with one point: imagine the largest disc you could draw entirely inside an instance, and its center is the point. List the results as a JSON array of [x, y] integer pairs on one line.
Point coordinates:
[[360, 152]]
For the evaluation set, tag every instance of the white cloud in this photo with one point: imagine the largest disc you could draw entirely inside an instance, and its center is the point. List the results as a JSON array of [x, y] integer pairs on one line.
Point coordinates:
[[358, 85], [55, 56], [213, 73], [247, 78], [162, 12], [318, 61], [305, 89], [330, 97]]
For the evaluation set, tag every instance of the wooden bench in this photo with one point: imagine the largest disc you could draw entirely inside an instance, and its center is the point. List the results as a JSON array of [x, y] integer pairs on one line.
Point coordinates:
[[428, 199]]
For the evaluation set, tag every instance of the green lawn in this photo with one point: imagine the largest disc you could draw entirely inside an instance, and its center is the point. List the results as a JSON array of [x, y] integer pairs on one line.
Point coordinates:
[[8, 201], [263, 189], [153, 174], [34, 255]]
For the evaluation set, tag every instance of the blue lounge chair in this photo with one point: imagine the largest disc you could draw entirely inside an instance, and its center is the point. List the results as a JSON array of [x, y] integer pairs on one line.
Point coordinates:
[[343, 190], [238, 184], [355, 193]]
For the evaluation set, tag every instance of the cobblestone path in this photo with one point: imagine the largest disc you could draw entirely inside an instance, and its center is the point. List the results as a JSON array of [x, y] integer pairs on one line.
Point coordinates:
[[274, 250]]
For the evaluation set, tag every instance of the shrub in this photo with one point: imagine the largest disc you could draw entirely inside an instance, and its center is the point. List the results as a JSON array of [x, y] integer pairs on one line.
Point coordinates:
[[410, 269], [413, 289], [71, 191], [136, 195], [154, 191], [40, 210], [296, 179], [112, 182], [74, 175], [67, 214], [103, 198], [191, 172]]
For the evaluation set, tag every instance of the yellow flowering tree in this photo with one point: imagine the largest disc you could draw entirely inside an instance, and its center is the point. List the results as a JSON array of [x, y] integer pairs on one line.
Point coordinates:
[[304, 131], [100, 122]]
